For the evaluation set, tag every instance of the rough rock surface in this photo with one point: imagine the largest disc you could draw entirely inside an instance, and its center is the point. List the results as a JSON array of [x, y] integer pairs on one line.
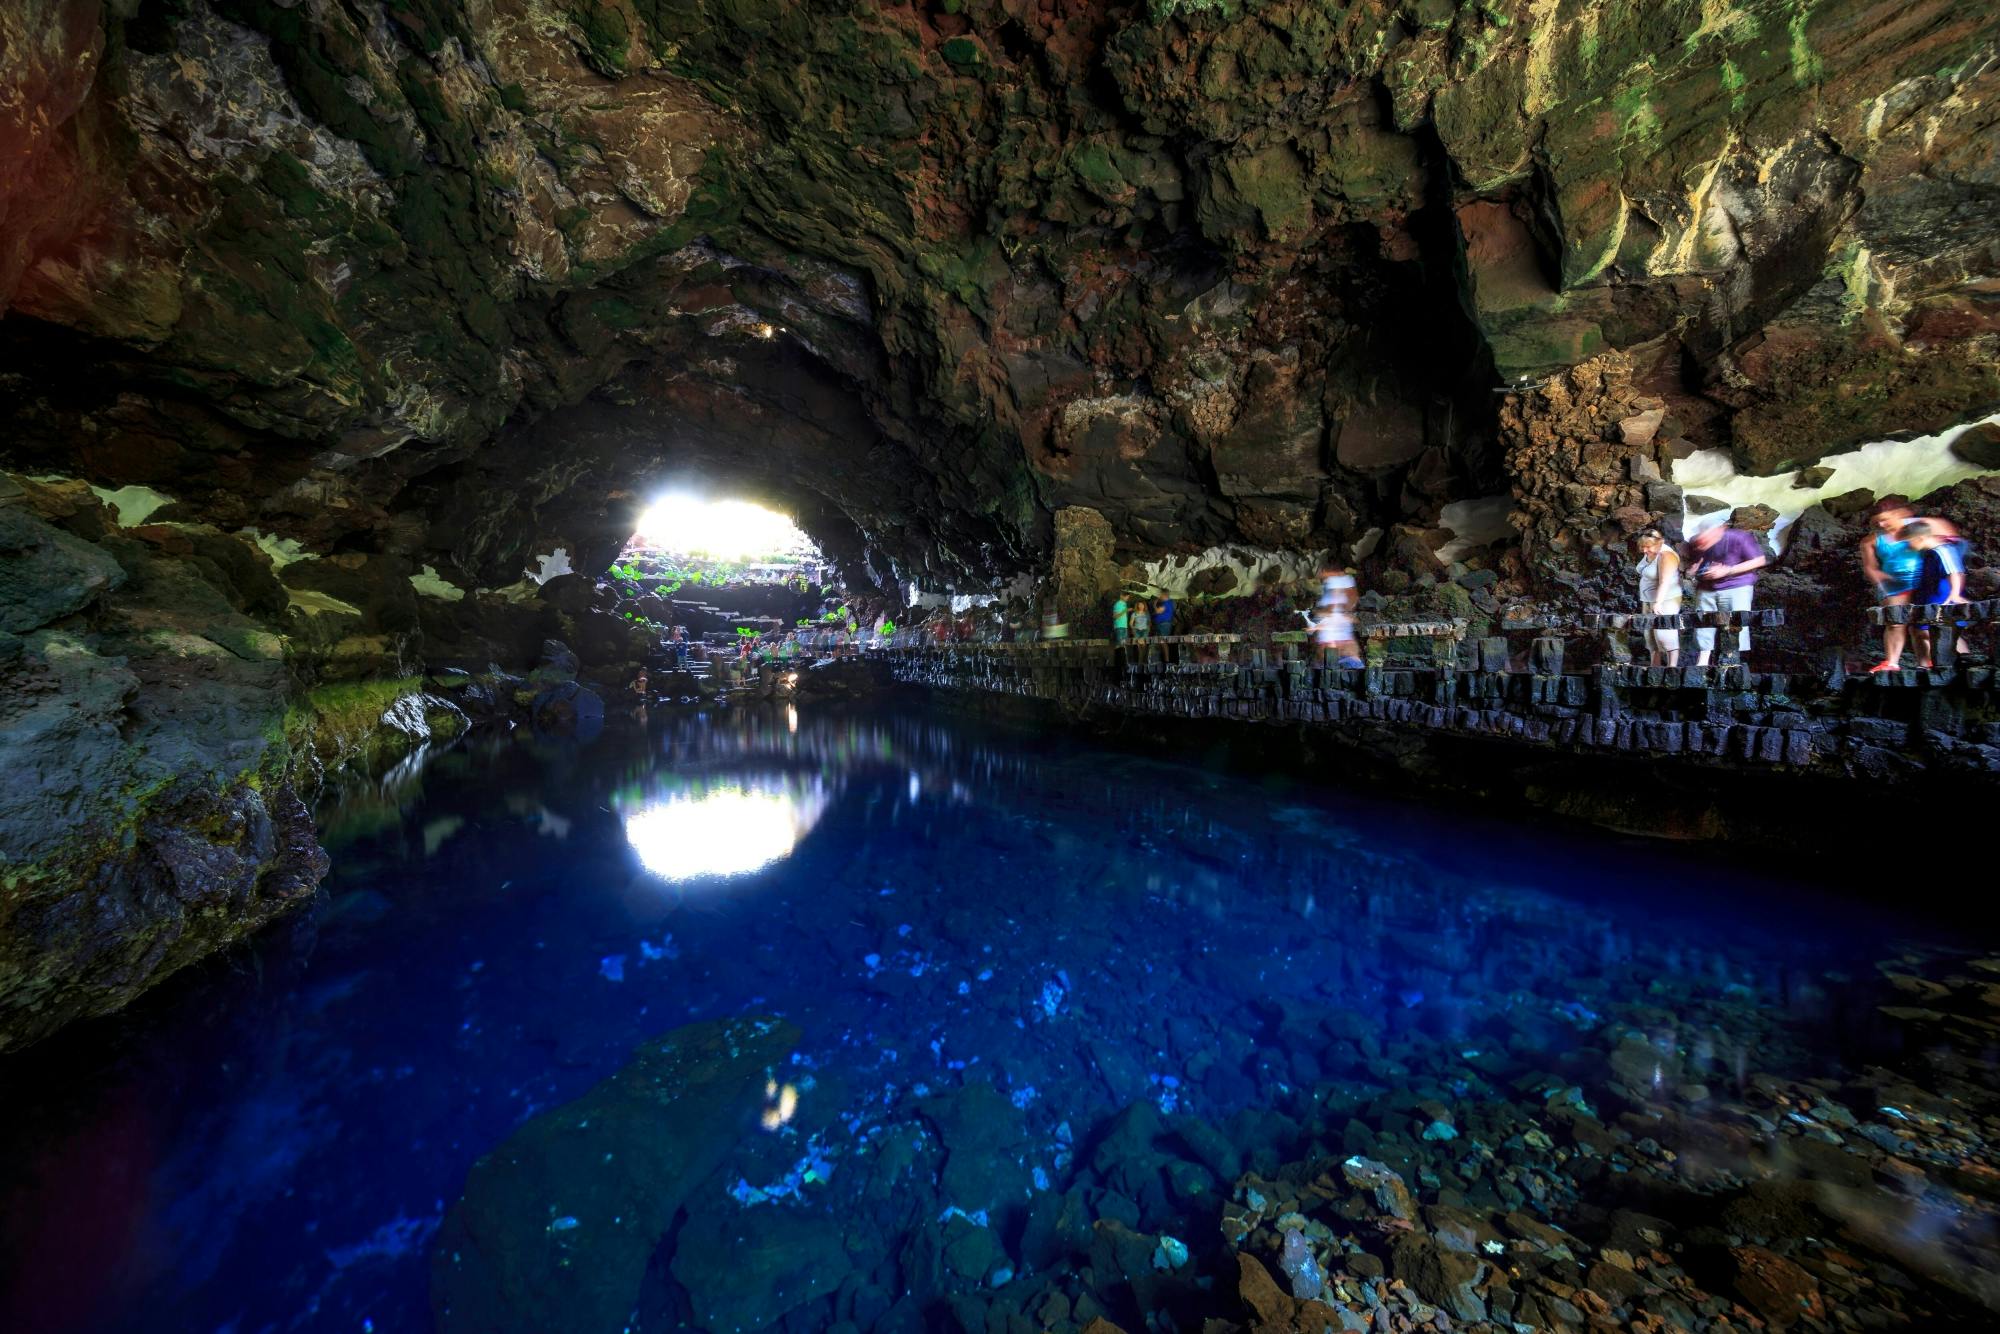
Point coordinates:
[[600, 1179], [158, 726], [440, 283]]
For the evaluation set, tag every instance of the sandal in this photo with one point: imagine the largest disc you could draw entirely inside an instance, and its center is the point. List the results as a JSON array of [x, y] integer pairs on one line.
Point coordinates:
[[1885, 666]]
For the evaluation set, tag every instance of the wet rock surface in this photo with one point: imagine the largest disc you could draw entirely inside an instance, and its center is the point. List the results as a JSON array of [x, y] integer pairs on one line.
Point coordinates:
[[556, 1225]]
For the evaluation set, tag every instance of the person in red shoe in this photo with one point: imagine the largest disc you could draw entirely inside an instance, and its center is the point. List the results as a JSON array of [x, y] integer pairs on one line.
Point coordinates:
[[1890, 563]]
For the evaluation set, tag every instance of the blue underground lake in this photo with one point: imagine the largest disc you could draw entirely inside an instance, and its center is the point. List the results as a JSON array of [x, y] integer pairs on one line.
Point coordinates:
[[818, 1018]]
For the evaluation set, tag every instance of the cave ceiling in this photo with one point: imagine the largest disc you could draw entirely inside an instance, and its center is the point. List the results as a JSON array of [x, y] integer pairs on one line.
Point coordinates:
[[457, 282]]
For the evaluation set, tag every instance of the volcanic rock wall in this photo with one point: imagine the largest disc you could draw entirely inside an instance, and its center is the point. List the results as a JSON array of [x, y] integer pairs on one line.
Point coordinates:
[[441, 281]]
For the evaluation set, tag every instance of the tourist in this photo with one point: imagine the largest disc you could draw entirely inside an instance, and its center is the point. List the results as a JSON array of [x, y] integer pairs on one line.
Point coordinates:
[[1725, 570], [1120, 610], [1053, 625], [1163, 616], [1333, 621], [1940, 577], [1139, 619], [1890, 564], [1660, 594]]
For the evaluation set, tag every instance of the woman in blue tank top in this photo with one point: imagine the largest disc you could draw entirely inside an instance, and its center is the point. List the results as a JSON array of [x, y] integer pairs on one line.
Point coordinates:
[[1891, 565]]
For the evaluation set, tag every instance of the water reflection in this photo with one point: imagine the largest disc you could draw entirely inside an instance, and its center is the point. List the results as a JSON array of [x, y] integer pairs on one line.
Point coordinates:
[[988, 942], [722, 828]]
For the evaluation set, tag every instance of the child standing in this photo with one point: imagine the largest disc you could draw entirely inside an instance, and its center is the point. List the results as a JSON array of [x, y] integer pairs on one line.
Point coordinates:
[[1940, 578]]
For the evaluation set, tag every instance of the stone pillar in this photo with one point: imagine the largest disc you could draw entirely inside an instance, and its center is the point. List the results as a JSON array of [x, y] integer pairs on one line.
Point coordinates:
[[1085, 575], [1587, 456]]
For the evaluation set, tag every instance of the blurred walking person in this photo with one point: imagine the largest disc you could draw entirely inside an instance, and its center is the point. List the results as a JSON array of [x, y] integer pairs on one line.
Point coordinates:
[[1891, 563], [1725, 568]]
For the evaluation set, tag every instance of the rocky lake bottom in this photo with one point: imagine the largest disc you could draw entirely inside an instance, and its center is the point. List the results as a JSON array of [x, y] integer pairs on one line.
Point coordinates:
[[875, 1019]]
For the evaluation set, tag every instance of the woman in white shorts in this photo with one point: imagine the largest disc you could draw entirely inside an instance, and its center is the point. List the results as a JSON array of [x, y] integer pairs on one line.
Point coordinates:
[[1660, 594]]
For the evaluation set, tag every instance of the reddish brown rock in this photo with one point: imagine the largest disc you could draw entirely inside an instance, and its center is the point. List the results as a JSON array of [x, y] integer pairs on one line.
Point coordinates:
[[1262, 1297], [1774, 1287]]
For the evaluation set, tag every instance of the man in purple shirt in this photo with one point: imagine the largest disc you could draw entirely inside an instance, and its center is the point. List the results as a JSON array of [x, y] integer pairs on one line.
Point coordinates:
[[1725, 575]]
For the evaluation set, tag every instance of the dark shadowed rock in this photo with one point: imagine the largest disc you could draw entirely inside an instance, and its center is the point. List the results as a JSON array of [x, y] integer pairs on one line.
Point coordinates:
[[556, 1225], [46, 574], [1979, 445], [747, 1270]]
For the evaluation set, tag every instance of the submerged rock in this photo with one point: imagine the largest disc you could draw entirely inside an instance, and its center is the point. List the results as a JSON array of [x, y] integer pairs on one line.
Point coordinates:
[[556, 1226], [751, 1271]]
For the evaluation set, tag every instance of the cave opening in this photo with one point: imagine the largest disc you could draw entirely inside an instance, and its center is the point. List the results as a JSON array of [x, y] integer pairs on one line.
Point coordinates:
[[706, 571]]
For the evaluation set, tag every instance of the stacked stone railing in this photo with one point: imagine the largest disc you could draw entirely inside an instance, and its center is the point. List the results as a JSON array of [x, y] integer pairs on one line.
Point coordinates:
[[1885, 724]]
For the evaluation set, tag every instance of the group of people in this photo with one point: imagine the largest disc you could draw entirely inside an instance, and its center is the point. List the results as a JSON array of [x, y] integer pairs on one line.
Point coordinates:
[[1135, 618], [1912, 561], [1909, 560], [1724, 564]]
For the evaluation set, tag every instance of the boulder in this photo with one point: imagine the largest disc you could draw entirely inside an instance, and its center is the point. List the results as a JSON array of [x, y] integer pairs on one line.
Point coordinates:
[[1441, 1276], [1705, 504], [1811, 478], [45, 573], [1753, 518], [1630, 519], [1774, 1287], [1213, 581], [1260, 1293], [557, 663], [556, 1226], [1641, 427], [1816, 530], [752, 1270], [1388, 1190], [567, 706], [1979, 445], [1849, 502]]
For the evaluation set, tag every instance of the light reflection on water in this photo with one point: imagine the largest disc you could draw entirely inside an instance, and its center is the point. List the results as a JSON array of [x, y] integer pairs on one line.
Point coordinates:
[[728, 828]]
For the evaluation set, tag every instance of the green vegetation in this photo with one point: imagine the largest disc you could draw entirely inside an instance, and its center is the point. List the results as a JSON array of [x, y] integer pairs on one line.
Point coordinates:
[[343, 720]]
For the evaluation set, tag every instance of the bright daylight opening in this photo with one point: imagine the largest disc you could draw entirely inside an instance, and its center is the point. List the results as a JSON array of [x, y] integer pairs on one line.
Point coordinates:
[[719, 529], [712, 580]]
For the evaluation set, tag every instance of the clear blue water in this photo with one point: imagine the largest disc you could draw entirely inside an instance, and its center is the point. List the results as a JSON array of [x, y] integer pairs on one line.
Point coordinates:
[[270, 1143]]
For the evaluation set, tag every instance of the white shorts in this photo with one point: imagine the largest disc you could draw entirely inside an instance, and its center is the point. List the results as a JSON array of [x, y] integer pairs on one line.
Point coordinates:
[[1723, 599], [1666, 641]]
